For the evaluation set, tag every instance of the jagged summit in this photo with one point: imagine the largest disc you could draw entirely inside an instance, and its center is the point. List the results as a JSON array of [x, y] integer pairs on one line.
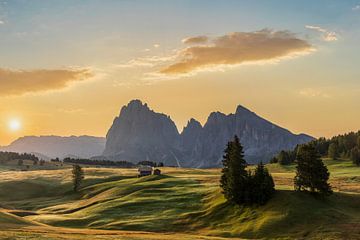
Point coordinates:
[[140, 133], [243, 110], [134, 106]]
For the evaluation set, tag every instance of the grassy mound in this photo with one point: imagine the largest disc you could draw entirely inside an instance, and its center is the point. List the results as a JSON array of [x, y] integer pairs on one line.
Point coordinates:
[[10, 220], [186, 201]]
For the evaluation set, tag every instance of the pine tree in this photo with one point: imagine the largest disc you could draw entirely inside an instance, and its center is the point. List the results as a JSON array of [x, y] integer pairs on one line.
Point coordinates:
[[355, 156], [284, 158], [235, 179], [333, 151], [78, 176], [263, 186], [311, 173]]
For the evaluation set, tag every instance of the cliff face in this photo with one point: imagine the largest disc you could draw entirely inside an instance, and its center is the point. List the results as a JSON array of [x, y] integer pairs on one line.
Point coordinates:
[[261, 139], [139, 133]]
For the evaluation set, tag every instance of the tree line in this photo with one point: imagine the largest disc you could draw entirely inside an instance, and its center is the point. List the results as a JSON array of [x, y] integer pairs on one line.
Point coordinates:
[[345, 146], [242, 186], [122, 164], [8, 156]]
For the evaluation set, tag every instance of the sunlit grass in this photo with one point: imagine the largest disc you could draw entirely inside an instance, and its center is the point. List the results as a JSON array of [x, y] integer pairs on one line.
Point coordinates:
[[186, 201]]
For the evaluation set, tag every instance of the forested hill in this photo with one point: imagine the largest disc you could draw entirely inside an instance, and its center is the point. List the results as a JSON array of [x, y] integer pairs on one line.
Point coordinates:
[[346, 146]]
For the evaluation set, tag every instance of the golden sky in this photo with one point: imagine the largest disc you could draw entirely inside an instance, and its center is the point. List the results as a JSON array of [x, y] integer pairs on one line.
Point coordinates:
[[65, 72]]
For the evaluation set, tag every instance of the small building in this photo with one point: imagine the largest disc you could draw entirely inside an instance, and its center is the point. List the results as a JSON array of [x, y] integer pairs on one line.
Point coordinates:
[[145, 171], [157, 171]]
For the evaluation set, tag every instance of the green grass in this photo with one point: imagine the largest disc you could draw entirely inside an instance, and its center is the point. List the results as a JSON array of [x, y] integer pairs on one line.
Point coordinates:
[[186, 201]]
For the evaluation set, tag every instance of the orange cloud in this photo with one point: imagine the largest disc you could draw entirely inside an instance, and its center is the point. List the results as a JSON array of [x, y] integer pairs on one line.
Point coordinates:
[[195, 40], [237, 48], [18, 82]]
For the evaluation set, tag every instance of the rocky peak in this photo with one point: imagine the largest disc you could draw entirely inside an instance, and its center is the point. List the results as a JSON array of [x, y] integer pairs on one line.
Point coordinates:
[[134, 107], [192, 124], [242, 110], [215, 117]]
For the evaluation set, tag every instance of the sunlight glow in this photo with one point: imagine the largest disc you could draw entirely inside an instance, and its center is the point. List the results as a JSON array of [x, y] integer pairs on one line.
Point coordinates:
[[14, 125]]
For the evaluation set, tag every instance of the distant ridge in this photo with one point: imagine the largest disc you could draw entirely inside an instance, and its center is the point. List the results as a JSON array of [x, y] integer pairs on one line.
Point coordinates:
[[139, 133], [56, 146]]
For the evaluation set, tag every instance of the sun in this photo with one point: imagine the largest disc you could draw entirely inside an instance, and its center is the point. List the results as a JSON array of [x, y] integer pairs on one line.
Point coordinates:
[[14, 125]]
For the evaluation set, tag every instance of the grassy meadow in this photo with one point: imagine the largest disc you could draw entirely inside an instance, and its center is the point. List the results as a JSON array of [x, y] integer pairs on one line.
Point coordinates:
[[187, 203]]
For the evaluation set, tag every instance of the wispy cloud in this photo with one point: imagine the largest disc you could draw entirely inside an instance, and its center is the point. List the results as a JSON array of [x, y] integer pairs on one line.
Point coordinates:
[[238, 48], [195, 40], [356, 8], [18, 82], [150, 61], [328, 36], [71, 110], [313, 93]]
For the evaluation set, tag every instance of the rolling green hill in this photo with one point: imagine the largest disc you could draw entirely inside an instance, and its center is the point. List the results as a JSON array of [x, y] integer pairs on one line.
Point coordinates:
[[182, 201]]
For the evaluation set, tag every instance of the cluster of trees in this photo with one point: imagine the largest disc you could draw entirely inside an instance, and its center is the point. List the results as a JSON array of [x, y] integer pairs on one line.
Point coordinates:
[[241, 186], [341, 146], [285, 157], [122, 164], [8, 156], [151, 164]]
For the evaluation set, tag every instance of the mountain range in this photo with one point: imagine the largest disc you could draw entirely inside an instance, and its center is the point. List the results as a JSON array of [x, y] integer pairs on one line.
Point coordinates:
[[46, 147], [139, 134]]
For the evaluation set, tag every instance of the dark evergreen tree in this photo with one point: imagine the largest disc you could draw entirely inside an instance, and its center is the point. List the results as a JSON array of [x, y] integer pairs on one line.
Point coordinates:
[[311, 173], [284, 158], [355, 156], [262, 183], [20, 162], [274, 160], [333, 151], [235, 179], [77, 176]]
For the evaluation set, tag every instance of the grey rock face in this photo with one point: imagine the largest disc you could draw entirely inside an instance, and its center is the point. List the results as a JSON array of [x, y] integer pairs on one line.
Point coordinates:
[[141, 134], [56, 146], [261, 139]]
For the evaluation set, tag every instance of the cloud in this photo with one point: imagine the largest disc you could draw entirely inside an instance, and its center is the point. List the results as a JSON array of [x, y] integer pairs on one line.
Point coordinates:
[[18, 82], [150, 61], [238, 48], [313, 93], [356, 8], [71, 110], [328, 36], [156, 45], [195, 40], [2, 22]]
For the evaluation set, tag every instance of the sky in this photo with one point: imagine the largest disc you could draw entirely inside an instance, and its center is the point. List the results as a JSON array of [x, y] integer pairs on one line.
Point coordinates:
[[67, 67]]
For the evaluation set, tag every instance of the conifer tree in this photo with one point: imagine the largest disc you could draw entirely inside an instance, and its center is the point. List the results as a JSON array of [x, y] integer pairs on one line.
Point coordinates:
[[311, 173], [78, 176], [333, 151], [263, 186], [355, 156], [234, 180]]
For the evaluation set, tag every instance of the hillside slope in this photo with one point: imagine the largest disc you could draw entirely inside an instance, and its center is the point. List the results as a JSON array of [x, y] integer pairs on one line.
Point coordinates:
[[186, 201]]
